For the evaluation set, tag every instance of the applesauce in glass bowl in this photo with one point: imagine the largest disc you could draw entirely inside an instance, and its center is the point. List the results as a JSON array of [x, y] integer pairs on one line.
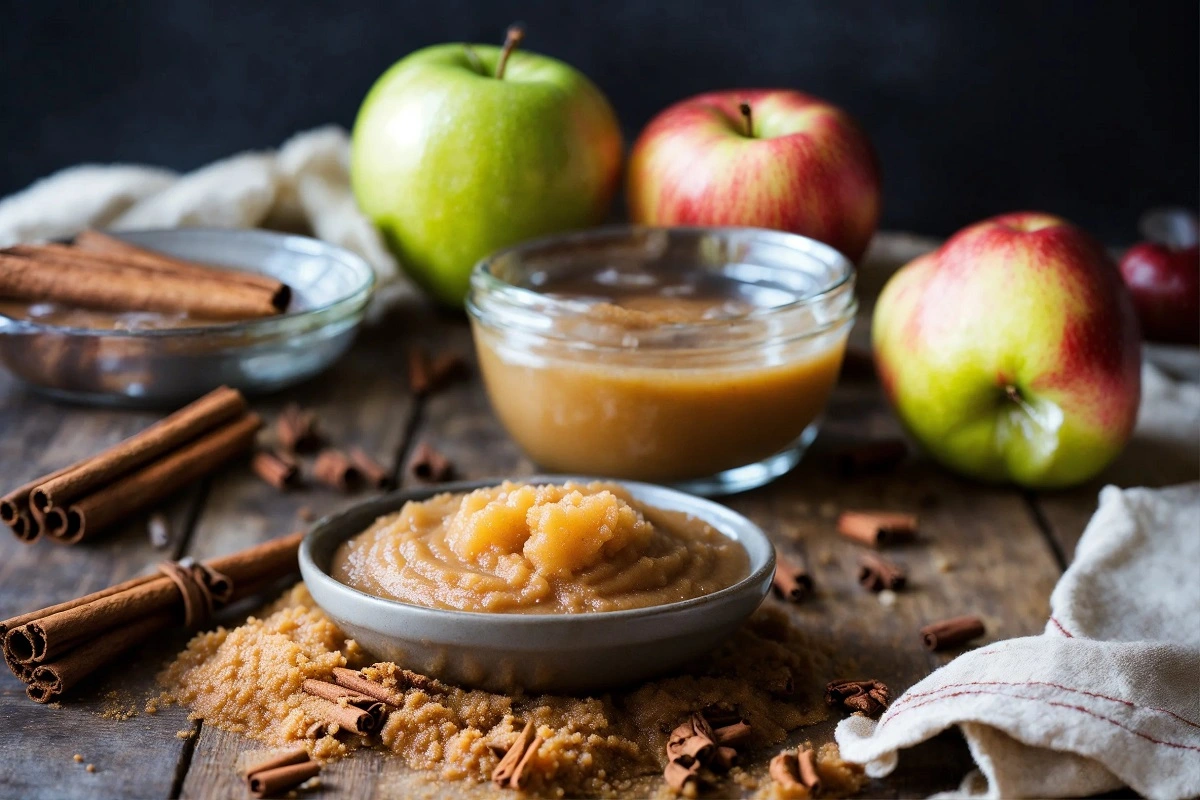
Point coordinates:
[[697, 357]]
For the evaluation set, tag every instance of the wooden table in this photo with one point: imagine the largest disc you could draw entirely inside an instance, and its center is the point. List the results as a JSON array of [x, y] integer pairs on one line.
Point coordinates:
[[993, 551]]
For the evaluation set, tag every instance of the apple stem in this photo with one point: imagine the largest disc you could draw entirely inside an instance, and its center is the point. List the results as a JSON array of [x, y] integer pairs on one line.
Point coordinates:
[[1013, 393], [748, 116], [512, 39]]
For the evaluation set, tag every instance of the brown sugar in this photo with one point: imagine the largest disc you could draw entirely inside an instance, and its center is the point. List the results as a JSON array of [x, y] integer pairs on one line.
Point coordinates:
[[248, 680]]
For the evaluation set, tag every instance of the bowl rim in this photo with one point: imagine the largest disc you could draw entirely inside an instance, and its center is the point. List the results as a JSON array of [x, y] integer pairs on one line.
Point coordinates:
[[263, 326], [723, 514]]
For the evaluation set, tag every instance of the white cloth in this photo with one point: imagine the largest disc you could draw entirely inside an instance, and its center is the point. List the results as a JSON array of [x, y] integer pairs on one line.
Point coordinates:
[[305, 185], [1109, 694]]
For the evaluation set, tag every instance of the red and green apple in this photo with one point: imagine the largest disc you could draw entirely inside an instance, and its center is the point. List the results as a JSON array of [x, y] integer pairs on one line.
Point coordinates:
[[762, 158], [1013, 352]]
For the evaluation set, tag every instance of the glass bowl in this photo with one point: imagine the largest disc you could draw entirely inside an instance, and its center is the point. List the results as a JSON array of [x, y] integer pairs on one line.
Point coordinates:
[[712, 404], [165, 367]]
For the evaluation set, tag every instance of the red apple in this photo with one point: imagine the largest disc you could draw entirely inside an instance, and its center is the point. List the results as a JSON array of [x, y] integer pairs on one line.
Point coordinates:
[[1164, 280], [1012, 352], [767, 158]]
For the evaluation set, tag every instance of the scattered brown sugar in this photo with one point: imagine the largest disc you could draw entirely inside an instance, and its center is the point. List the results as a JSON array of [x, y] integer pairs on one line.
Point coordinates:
[[90, 767], [183, 734], [77, 758], [118, 707], [248, 680]]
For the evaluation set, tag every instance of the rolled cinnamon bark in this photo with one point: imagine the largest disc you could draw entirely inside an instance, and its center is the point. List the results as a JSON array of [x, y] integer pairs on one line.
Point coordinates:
[[99, 510], [96, 242], [297, 755], [336, 694], [346, 717], [356, 681], [274, 781], [87, 281], [211, 410], [333, 468], [279, 470], [792, 580], [15, 508], [806, 762], [877, 528], [372, 471], [952, 632], [36, 638], [52, 679]]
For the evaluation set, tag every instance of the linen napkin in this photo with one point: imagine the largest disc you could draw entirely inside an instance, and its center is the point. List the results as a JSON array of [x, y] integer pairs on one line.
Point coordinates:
[[1109, 694]]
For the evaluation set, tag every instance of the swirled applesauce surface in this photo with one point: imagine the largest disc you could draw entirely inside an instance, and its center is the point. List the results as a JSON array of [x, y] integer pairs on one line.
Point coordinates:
[[550, 549]]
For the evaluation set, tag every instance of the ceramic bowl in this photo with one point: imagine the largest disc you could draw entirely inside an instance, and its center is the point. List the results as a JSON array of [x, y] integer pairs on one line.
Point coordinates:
[[171, 366], [569, 653]]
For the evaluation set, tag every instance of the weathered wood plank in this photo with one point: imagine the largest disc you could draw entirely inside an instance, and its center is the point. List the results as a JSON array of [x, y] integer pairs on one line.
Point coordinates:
[[134, 757]]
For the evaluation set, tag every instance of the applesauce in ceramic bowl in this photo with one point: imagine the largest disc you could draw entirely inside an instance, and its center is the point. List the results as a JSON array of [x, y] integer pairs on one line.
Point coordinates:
[[697, 357]]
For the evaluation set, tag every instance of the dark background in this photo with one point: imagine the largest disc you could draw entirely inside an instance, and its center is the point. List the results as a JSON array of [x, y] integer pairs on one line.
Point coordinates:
[[1087, 109]]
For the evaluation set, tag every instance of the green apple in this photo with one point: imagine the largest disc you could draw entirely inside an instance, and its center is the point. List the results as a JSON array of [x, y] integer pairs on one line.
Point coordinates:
[[459, 150], [1013, 352]]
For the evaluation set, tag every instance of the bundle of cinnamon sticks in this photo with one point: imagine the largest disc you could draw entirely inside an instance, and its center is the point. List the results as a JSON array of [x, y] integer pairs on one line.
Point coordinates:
[[52, 649], [84, 499], [107, 273]]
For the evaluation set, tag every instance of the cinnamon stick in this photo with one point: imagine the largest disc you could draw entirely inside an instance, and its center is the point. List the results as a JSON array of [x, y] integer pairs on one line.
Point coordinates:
[[50, 680], [215, 408], [792, 580], [784, 769], [346, 717], [952, 632], [57, 646], [356, 681], [340, 694], [98, 511], [82, 279], [520, 777], [876, 574], [281, 779], [429, 465], [276, 469], [96, 242], [507, 767], [297, 429], [16, 509], [371, 470], [806, 761], [877, 528], [333, 468], [296, 755]]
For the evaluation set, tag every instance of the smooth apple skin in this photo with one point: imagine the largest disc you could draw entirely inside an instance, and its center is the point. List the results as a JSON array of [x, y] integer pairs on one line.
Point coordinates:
[[452, 164], [808, 169], [1165, 284], [1024, 301]]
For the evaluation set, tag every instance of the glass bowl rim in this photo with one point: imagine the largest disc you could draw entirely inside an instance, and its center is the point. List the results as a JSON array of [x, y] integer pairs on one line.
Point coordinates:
[[260, 327], [482, 278]]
